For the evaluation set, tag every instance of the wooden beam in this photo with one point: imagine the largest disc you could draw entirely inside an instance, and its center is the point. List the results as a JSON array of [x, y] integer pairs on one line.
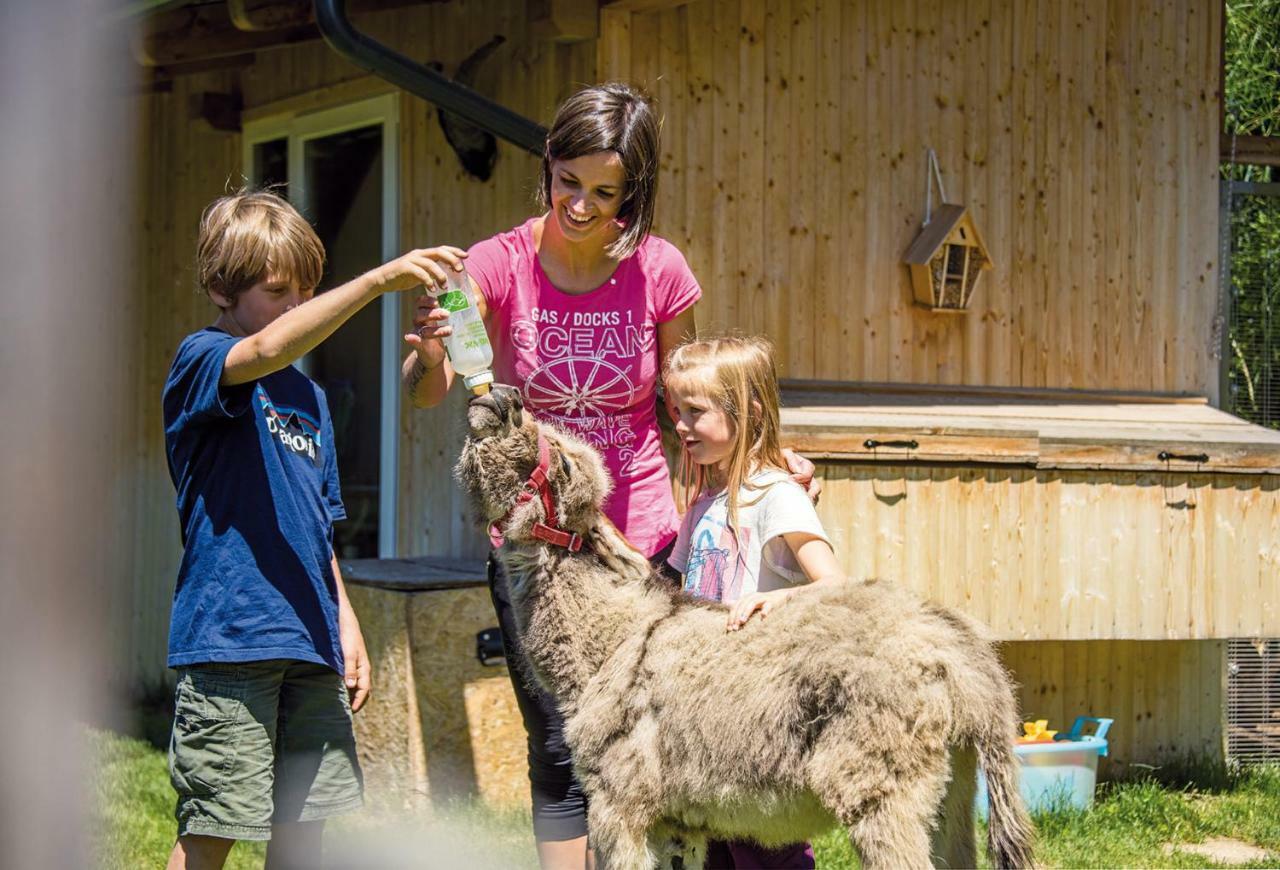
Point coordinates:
[[255, 15], [337, 94], [201, 33], [1252, 150], [264, 15], [564, 20], [231, 61], [641, 5], [795, 390]]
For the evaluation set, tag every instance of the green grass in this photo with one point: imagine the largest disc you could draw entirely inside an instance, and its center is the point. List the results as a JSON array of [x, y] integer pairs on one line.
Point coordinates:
[[134, 806], [1127, 827]]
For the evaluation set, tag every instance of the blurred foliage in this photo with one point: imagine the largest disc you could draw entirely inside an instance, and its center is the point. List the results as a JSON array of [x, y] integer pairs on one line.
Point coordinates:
[[1252, 102]]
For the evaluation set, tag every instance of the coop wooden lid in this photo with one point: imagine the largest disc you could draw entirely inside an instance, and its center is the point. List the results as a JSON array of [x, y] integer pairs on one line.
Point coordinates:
[[1049, 429], [417, 574]]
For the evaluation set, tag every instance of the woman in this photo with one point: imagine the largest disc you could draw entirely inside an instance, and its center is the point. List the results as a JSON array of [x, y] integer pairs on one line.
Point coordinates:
[[582, 305]]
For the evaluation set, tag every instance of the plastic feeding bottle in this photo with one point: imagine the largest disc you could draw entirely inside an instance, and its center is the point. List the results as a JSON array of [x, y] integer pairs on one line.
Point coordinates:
[[468, 346]]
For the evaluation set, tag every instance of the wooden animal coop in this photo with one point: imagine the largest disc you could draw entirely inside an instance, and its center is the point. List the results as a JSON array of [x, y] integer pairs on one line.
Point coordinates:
[[947, 259]]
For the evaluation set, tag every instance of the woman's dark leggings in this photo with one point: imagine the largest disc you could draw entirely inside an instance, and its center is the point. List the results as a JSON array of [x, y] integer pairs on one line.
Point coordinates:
[[559, 805]]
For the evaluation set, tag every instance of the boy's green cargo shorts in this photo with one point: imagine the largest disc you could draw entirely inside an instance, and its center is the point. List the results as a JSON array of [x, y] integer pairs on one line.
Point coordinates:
[[261, 743]]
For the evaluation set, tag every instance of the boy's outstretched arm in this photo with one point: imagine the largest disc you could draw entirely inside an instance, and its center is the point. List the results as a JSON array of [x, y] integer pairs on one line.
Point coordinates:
[[358, 675], [286, 339]]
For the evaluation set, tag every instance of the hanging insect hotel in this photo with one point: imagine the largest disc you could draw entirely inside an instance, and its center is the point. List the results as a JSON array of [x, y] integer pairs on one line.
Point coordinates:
[[948, 257]]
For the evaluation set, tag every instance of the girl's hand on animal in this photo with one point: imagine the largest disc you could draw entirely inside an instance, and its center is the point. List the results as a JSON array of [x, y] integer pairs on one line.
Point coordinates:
[[765, 602], [802, 472], [430, 325], [425, 266]]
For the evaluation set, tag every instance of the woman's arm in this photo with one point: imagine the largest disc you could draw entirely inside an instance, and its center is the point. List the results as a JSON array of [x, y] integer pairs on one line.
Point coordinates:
[[426, 373], [671, 335], [674, 333]]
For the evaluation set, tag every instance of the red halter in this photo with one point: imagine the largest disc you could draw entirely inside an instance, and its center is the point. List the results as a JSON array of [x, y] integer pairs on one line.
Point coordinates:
[[537, 486]]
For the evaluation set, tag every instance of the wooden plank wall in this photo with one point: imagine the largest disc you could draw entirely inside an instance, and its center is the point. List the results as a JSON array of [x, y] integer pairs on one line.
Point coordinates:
[[1166, 697], [1081, 134], [1068, 555], [189, 164], [778, 103]]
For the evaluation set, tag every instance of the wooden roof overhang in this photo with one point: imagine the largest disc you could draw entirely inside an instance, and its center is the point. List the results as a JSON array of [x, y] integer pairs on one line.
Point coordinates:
[[1042, 429]]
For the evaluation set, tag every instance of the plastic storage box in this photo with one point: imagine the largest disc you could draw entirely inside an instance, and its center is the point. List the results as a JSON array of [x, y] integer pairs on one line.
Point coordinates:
[[1059, 774]]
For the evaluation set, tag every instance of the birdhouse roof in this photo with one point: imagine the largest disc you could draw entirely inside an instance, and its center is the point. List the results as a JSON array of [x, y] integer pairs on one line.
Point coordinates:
[[935, 233]]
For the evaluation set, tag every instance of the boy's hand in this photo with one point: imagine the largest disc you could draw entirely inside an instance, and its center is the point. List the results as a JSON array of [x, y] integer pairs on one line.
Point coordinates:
[[430, 325], [359, 674], [425, 266], [765, 602], [802, 472]]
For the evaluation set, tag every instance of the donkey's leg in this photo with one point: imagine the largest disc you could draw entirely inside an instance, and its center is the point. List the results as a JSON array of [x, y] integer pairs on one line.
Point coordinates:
[[678, 851], [893, 832], [619, 839], [953, 844], [888, 811]]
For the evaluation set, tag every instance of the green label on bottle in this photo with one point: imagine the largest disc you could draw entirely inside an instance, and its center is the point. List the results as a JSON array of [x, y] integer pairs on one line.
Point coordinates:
[[454, 300]]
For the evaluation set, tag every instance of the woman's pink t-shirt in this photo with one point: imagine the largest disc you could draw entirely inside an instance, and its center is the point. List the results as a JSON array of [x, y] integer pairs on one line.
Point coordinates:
[[588, 362]]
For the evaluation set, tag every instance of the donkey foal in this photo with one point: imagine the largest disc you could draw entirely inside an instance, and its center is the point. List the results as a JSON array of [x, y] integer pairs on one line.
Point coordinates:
[[855, 705]]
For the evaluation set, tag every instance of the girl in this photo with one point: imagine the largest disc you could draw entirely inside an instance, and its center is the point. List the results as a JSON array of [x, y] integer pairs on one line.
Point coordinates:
[[582, 303], [750, 536]]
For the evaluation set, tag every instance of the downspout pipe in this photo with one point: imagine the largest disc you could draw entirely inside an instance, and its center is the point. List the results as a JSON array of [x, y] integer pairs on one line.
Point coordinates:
[[460, 100]]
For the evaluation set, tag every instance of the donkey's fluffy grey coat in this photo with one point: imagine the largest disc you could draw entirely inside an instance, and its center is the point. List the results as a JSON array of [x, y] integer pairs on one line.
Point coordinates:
[[855, 704]]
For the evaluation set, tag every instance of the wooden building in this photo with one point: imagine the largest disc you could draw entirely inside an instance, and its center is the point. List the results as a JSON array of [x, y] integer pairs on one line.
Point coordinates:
[[1051, 495]]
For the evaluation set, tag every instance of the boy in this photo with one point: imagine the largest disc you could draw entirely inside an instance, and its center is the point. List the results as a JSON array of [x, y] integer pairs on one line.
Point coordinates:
[[271, 662]]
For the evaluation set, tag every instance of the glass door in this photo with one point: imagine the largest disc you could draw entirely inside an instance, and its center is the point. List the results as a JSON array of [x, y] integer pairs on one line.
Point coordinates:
[[338, 168]]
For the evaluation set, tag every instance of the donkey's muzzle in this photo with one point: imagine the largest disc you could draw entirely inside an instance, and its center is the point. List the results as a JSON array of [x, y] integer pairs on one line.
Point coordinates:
[[489, 413]]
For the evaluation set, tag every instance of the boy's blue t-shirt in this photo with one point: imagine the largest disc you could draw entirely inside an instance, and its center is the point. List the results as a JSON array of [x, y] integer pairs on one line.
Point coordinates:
[[257, 480]]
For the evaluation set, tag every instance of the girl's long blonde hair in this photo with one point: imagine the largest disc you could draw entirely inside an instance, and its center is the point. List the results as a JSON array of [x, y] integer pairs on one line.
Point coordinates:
[[736, 373]]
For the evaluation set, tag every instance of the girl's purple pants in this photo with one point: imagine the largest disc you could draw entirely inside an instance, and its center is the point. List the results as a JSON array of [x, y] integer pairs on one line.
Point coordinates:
[[739, 855]]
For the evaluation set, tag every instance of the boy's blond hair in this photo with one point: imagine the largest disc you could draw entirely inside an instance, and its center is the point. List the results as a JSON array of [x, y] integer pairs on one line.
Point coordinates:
[[737, 374], [252, 235]]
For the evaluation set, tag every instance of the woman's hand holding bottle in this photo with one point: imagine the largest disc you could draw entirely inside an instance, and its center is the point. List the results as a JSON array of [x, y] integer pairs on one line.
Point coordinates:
[[430, 328]]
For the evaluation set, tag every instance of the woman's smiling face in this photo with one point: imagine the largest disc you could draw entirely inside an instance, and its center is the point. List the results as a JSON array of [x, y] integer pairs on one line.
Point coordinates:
[[586, 196]]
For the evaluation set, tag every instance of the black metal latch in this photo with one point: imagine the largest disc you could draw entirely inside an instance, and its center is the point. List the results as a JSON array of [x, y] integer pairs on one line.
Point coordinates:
[[872, 444], [1166, 456]]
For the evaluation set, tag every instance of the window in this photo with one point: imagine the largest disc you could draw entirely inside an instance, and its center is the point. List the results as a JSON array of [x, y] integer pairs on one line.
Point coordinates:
[[338, 167]]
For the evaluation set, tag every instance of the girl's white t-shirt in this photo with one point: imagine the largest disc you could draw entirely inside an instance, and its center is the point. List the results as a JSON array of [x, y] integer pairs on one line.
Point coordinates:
[[722, 566]]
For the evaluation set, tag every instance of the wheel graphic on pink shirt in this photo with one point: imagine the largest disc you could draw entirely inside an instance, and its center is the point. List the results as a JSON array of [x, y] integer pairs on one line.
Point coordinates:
[[579, 387]]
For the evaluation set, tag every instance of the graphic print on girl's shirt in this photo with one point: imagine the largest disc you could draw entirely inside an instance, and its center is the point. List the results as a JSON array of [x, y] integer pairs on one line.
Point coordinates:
[[721, 566], [715, 568]]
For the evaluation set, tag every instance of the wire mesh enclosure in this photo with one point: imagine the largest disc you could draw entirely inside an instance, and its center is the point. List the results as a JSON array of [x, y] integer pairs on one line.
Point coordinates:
[[1252, 272], [1253, 700]]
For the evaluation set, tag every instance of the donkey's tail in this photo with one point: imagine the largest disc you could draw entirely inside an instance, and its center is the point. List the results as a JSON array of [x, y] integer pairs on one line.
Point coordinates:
[[1009, 831]]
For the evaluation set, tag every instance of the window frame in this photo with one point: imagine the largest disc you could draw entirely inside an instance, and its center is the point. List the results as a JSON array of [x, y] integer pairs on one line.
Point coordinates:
[[297, 129]]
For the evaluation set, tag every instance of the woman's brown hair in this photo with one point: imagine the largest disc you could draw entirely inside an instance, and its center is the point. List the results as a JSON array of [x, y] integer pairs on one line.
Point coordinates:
[[611, 117]]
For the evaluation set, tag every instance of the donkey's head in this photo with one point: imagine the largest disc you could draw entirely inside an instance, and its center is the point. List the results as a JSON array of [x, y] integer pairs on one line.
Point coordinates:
[[504, 448]]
